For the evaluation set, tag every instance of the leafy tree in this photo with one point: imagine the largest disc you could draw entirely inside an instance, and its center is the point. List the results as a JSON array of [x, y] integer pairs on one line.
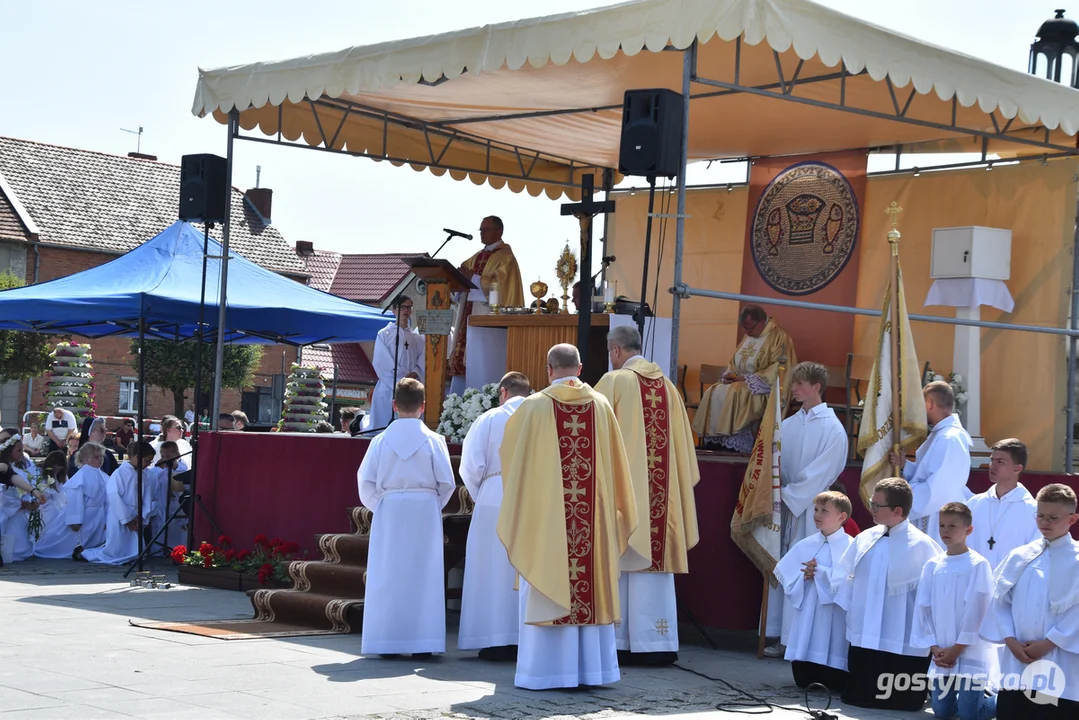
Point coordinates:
[[171, 366], [23, 355]]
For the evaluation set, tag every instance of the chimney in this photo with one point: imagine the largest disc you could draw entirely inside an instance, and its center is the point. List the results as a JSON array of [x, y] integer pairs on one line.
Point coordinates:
[[305, 248], [142, 156], [262, 200]]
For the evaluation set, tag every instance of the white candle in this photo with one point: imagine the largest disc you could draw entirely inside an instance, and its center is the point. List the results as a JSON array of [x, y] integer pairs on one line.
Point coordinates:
[[493, 297], [608, 293]]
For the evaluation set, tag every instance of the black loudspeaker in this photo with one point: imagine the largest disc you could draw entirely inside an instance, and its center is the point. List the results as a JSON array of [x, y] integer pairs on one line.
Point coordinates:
[[651, 133], [203, 192]]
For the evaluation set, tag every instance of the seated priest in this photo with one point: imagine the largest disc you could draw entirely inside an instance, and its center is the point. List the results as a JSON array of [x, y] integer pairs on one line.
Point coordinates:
[[730, 410]]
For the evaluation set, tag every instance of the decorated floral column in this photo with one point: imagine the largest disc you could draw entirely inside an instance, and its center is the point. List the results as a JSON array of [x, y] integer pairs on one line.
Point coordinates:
[[303, 407], [70, 382]]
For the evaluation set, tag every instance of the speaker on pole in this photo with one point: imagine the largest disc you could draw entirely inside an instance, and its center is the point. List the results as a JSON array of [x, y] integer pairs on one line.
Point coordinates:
[[651, 142], [202, 188]]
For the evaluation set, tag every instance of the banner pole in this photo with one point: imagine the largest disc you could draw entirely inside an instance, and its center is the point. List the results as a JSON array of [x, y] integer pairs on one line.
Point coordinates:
[[897, 416], [764, 619]]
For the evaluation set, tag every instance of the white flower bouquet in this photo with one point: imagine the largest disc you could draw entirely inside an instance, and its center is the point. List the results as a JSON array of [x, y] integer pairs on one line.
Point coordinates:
[[953, 379], [460, 411]]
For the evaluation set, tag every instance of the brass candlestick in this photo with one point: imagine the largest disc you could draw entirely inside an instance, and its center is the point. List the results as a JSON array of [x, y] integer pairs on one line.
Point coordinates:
[[496, 309]]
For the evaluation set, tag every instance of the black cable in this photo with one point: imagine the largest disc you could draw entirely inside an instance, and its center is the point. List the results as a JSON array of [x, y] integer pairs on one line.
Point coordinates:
[[650, 344], [763, 707]]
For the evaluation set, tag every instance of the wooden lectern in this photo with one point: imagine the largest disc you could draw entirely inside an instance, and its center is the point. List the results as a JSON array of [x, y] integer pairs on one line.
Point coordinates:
[[440, 279]]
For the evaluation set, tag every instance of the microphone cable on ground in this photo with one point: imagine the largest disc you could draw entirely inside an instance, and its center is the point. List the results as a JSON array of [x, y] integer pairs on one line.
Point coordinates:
[[753, 705]]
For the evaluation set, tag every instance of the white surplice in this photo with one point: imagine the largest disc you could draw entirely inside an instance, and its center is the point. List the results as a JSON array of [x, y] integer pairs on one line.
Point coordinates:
[[410, 350], [562, 656], [57, 540], [954, 595], [87, 505], [1008, 520], [1036, 598], [938, 474], [489, 601], [814, 454], [817, 628], [405, 479], [877, 585], [121, 545]]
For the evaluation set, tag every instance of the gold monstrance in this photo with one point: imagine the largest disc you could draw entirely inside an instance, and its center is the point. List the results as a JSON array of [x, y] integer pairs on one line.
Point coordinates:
[[566, 269]]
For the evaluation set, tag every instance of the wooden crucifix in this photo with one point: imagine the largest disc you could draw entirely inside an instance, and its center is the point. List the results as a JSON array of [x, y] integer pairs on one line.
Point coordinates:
[[584, 211]]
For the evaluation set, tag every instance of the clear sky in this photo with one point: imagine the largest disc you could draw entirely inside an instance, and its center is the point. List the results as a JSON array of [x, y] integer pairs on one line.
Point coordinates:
[[76, 73]]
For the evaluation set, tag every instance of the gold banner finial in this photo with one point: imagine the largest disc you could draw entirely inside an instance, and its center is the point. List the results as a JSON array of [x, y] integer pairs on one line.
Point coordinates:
[[893, 234]]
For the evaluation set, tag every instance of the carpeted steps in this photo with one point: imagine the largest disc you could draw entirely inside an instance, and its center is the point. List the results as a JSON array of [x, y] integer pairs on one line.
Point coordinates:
[[327, 594]]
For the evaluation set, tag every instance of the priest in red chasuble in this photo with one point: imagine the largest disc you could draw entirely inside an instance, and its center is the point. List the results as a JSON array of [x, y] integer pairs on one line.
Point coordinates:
[[568, 514], [493, 265], [663, 464]]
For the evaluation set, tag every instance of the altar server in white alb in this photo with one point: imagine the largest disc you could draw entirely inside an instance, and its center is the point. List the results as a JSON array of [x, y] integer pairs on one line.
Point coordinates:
[[954, 594], [663, 466], [400, 352], [490, 613], [87, 500], [817, 640], [1004, 514], [1035, 613], [57, 540], [814, 454], [941, 466], [19, 472], [405, 479], [878, 583], [122, 527]]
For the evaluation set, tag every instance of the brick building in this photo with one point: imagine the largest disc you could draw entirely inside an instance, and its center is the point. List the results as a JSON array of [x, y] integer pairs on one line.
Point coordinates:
[[64, 210]]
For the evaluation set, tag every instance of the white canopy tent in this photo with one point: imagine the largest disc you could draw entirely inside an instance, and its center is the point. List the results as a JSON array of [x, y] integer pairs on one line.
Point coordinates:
[[536, 104]]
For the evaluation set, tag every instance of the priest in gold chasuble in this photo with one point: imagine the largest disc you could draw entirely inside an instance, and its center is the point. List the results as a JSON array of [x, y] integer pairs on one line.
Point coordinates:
[[493, 265], [730, 411], [567, 517], [663, 464]]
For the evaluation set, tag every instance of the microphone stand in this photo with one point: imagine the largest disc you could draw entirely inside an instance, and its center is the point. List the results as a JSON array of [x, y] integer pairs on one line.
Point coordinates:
[[449, 236]]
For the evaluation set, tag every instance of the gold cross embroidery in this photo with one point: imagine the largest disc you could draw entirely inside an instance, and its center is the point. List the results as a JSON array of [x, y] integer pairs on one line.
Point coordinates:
[[574, 425], [747, 352], [574, 491], [653, 460], [662, 627], [655, 529], [575, 569], [652, 398]]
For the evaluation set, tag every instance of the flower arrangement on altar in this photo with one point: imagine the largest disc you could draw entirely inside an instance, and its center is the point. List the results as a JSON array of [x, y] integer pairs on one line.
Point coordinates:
[[953, 379], [70, 382], [268, 559], [304, 405], [460, 411]]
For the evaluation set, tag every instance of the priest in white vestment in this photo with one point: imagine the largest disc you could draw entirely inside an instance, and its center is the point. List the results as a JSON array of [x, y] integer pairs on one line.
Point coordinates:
[[814, 454], [954, 594], [1035, 613], [941, 466], [405, 479], [663, 464], [816, 644], [400, 352], [1004, 514], [122, 526], [567, 518], [878, 584], [87, 501], [490, 616]]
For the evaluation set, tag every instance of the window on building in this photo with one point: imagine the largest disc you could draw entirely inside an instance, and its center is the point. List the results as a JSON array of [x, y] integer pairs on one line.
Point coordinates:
[[129, 395], [261, 405]]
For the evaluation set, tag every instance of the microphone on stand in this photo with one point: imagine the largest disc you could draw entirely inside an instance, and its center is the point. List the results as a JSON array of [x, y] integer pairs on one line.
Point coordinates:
[[455, 233]]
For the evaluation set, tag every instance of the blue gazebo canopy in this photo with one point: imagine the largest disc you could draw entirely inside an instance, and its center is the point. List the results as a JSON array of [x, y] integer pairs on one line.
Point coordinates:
[[159, 282]]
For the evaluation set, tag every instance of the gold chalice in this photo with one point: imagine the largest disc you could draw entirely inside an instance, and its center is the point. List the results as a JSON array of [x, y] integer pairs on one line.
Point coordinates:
[[538, 290]]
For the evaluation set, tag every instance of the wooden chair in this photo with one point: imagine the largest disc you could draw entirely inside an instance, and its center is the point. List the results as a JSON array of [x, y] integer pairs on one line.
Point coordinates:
[[710, 375], [859, 368]]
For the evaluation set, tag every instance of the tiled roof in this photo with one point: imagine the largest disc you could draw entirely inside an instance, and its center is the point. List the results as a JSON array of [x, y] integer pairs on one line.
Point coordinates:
[[370, 278], [109, 203], [321, 266], [11, 228], [349, 358]]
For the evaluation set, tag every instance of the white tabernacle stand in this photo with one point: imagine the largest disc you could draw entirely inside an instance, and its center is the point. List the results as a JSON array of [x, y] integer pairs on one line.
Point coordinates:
[[969, 266]]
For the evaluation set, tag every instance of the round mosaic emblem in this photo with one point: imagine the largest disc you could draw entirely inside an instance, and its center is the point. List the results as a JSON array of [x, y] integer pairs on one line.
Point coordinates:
[[804, 228]]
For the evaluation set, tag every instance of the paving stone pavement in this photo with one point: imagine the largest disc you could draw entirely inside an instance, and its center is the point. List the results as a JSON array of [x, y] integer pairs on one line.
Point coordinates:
[[67, 650]]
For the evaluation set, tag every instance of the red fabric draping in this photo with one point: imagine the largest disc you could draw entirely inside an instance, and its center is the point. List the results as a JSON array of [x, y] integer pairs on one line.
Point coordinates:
[[296, 487]]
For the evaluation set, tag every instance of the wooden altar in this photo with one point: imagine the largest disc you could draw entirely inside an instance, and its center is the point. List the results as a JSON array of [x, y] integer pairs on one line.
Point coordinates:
[[529, 337]]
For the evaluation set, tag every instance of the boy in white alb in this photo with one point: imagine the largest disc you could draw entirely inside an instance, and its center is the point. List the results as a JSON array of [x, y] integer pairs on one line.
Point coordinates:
[[817, 636], [405, 479], [878, 579], [122, 526], [954, 595], [87, 502], [1004, 514], [1035, 613], [490, 605]]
